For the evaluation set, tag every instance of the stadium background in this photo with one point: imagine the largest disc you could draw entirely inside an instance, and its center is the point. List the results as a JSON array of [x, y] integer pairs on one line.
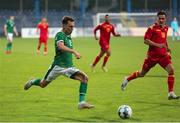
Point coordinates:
[[29, 12]]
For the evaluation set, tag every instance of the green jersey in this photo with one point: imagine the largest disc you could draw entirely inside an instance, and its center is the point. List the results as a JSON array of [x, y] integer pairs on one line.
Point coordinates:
[[10, 26], [63, 58]]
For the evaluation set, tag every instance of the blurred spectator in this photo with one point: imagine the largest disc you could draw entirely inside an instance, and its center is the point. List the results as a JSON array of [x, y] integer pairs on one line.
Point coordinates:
[[9, 29], [175, 29], [42, 27]]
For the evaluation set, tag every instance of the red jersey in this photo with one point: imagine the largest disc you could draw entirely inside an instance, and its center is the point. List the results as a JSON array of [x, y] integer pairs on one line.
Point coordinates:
[[157, 34], [43, 29], [106, 29]]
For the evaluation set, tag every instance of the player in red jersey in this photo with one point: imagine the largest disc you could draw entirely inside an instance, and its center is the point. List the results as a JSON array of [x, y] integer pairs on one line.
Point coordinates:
[[43, 27], [158, 53], [106, 28]]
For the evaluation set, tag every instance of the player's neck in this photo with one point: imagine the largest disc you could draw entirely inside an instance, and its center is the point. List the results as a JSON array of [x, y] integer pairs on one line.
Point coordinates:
[[107, 22], [161, 25]]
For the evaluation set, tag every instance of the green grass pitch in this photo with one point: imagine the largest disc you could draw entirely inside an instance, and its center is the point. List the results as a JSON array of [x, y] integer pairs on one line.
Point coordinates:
[[58, 102]]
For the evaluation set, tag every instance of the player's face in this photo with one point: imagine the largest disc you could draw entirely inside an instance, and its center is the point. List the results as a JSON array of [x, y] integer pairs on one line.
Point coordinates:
[[161, 19], [44, 20], [69, 27], [12, 17], [107, 18]]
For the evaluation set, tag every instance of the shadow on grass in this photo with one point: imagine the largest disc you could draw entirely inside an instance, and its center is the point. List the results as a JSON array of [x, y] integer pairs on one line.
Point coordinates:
[[157, 105], [91, 119], [150, 76]]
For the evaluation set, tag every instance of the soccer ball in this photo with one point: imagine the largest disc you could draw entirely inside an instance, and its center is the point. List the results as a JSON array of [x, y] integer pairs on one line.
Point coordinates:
[[124, 111]]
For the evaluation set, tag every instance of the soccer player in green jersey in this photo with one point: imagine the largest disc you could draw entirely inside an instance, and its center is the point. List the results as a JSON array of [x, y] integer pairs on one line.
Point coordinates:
[[63, 65], [9, 28]]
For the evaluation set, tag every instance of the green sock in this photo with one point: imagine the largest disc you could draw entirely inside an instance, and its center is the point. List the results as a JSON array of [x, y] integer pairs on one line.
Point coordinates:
[[10, 46], [82, 91], [36, 82]]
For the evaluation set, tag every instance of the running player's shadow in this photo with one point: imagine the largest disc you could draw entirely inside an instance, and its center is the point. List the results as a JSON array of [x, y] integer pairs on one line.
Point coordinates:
[[93, 119], [150, 76], [157, 104], [158, 76]]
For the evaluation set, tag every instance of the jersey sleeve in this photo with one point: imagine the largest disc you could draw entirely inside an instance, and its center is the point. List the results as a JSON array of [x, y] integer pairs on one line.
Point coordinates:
[[39, 25], [148, 33], [59, 38], [97, 28], [113, 32]]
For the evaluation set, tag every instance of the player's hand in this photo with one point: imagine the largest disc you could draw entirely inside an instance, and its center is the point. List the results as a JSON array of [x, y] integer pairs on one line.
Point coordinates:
[[169, 50], [77, 55], [96, 37], [162, 46], [118, 35], [5, 34]]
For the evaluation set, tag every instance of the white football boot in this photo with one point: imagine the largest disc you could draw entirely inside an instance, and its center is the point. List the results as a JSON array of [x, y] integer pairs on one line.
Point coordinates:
[[172, 95], [85, 105], [104, 69], [124, 84], [28, 84]]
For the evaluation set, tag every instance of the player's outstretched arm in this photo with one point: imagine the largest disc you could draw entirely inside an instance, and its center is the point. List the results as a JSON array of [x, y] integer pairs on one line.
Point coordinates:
[[151, 43], [15, 30], [118, 35], [95, 30], [115, 34], [64, 48], [5, 30]]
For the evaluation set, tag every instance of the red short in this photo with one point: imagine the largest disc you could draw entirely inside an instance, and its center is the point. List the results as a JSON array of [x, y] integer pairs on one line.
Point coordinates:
[[104, 47], [150, 62], [43, 40]]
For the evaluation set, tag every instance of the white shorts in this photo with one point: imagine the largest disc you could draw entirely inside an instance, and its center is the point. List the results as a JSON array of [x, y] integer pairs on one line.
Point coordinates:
[[55, 71], [10, 37]]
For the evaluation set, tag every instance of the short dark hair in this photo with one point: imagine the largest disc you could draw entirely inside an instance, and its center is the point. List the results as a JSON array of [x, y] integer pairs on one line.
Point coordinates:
[[65, 19], [161, 13], [106, 15]]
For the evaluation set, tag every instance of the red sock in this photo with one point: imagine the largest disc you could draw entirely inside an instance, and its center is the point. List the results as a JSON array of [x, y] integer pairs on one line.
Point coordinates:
[[171, 83], [45, 49], [105, 60], [96, 60], [39, 46], [133, 76]]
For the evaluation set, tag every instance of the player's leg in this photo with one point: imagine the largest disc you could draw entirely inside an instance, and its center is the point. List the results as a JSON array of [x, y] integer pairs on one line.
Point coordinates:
[[98, 57], [166, 63], [134, 75], [82, 77], [8, 47], [9, 43], [108, 53], [148, 64], [171, 79], [178, 35], [39, 46], [45, 48], [52, 73], [173, 35]]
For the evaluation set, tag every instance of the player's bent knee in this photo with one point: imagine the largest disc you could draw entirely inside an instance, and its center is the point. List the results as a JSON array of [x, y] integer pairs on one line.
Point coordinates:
[[86, 78], [43, 84], [141, 75], [84, 81], [171, 72]]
